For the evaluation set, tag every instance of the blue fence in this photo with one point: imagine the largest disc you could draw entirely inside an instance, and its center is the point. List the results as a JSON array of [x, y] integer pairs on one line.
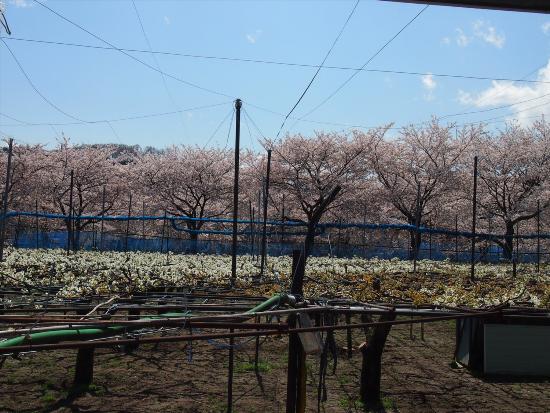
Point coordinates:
[[214, 241]]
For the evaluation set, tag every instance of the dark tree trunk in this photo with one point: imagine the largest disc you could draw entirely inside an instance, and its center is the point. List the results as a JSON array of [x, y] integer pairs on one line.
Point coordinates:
[[416, 241], [194, 238], [508, 246], [371, 369]]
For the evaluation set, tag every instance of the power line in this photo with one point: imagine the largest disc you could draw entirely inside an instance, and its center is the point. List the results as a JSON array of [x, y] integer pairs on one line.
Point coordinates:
[[366, 63], [218, 127], [495, 108], [157, 63], [284, 63], [194, 85], [136, 117], [319, 68], [48, 101]]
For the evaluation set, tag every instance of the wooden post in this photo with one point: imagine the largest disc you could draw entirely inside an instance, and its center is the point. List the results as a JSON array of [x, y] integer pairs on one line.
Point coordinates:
[[296, 358], [230, 373], [4, 222], [84, 372], [371, 369], [349, 338]]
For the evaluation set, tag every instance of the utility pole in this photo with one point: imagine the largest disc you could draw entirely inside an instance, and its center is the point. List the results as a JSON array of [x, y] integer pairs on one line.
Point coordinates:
[[264, 228], [474, 214], [238, 104], [5, 200]]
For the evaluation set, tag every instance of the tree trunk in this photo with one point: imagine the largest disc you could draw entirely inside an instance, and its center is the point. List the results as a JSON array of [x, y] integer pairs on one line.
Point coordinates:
[[508, 247], [416, 241], [194, 238], [371, 369]]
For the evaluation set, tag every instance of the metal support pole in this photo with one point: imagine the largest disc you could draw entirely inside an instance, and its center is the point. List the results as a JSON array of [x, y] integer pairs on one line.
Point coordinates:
[[102, 220], [474, 216], [238, 105], [264, 227], [5, 200], [251, 215], [162, 234], [416, 248], [143, 224], [70, 228], [128, 224], [283, 221], [517, 242], [456, 238], [36, 221], [538, 235]]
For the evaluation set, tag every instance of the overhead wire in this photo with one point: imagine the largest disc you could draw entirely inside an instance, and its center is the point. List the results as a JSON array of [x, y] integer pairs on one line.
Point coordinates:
[[229, 130], [218, 128], [370, 59], [282, 63], [191, 84], [351, 13], [38, 92], [170, 96], [127, 118]]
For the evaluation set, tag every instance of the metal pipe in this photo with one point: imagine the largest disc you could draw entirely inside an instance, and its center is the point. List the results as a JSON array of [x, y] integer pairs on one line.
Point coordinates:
[[177, 338]]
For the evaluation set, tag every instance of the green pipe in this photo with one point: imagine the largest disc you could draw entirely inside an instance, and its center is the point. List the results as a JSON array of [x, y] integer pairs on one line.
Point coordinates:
[[266, 305], [55, 336]]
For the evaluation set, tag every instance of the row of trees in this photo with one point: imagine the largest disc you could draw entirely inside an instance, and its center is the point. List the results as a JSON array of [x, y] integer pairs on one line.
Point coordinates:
[[423, 175]]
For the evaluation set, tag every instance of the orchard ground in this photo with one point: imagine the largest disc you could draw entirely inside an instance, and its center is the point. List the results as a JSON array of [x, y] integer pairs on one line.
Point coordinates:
[[417, 376]]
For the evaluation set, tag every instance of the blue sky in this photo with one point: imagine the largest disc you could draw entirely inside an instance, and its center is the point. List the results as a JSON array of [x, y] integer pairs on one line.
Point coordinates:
[[92, 84]]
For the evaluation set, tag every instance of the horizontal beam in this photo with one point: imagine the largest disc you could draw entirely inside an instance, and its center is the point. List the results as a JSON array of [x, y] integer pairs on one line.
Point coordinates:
[[532, 6]]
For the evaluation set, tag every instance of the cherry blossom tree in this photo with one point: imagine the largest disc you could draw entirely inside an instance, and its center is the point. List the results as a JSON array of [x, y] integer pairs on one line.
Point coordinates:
[[514, 173], [315, 174], [98, 183], [419, 169], [190, 182]]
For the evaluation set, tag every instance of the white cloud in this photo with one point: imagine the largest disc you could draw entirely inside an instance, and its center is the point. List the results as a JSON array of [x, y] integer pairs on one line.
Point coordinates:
[[546, 28], [446, 41], [253, 37], [461, 39], [429, 84], [484, 31], [21, 3], [167, 20], [506, 93]]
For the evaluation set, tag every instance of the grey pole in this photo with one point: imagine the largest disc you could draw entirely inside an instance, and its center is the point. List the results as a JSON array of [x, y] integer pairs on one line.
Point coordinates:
[[238, 105], [264, 228], [474, 214], [70, 232], [5, 200]]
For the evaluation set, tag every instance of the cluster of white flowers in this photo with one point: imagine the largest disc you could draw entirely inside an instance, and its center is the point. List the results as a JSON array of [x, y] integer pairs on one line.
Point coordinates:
[[435, 282]]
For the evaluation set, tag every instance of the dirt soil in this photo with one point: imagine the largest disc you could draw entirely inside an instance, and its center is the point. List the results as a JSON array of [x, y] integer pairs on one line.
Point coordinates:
[[417, 377]]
